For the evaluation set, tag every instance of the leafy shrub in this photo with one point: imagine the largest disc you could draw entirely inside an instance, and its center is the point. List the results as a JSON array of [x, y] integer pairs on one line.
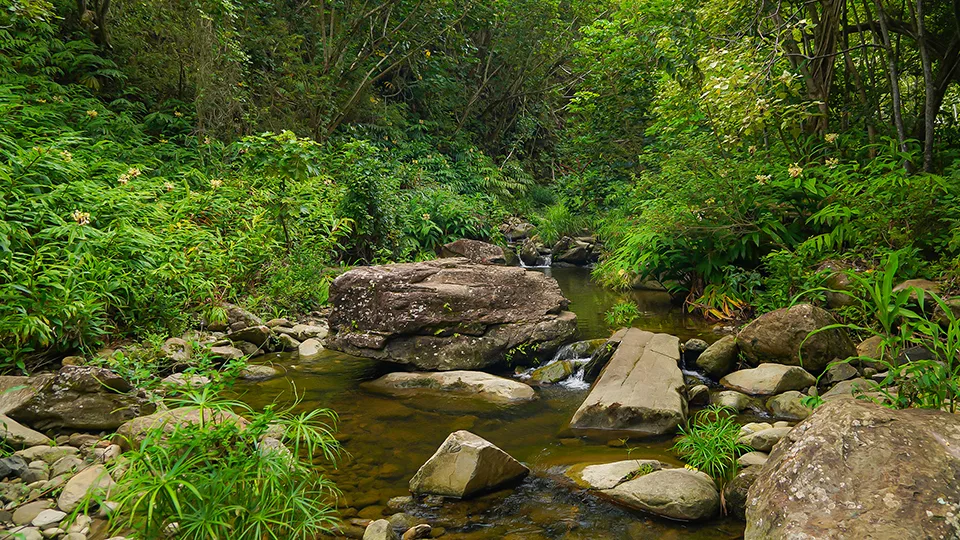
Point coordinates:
[[221, 480], [709, 443], [622, 313], [559, 221]]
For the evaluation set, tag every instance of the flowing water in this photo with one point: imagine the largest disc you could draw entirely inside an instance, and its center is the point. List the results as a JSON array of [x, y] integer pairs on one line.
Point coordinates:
[[389, 438]]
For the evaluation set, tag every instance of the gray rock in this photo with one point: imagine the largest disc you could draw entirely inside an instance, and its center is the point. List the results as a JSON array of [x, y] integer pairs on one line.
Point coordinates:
[[610, 475], [735, 492], [571, 251], [853, 387], [719, 358], [466, 383], [47, 518], [602, 355], [76, 397], [672, 493], [767, 379], [310, 349], [185, 380], [67, 465], [47, 454], [258, 372], [855, 469], [380, 530], [529, 253], [19, 436], [307, 331], [256, 335], [789, 406], [731, 399], [698, 395], [475, 251], [177, 350], [753, 458], [695, 346], [25, 533], [765, 439], [837, 372], [778, 335], [226, 353], [288, 343], [12, 466], [94, 481], [273, 323], [466, 465], [448, 314], [26, 513], [640, 391]]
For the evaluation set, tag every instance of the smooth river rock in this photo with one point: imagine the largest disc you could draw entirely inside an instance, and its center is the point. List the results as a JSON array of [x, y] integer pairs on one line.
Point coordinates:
[[855, 469], [681, 494], [768, 379], [467, 383], [640, 391], [466, 465], [777, 337], [610, 475], [448, 314], [719, 358]]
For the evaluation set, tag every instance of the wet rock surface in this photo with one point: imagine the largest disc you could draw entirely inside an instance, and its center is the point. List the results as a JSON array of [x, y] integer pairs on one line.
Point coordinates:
[[777, 337], [466, 465], [465, 383]]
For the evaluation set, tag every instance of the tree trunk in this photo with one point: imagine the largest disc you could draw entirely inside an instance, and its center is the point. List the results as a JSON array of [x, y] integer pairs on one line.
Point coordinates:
[[930, 109], [894, 75]]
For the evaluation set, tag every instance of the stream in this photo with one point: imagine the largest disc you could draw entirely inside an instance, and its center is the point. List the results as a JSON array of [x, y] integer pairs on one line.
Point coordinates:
[[386, 439]]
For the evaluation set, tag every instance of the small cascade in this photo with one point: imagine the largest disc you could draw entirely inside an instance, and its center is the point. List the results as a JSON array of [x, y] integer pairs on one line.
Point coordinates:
[[578, 354]]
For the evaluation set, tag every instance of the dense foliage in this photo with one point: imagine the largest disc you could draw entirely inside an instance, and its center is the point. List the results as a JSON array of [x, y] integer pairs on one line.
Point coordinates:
[[158, 157]]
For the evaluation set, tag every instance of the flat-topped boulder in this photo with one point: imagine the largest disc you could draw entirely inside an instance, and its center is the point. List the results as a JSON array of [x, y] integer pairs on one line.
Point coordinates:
[[475, 250], [640, 391], [610, 475], [466, 465], [768, 379], [466, 383], [448, 314], [781, 336], [855, 469]]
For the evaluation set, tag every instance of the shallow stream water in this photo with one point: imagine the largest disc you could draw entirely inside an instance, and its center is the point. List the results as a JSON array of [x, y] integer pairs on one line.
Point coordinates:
[[389, 438]]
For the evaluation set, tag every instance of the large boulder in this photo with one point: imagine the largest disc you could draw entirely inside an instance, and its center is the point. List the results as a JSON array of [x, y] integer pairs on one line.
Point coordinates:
[[768, 379], [474, 250], [466, 465], [719, 358], [466, 383], [76, 397], [448, 314], [572, 251], [681, 494], [777, 337], [602, 355], [858, 470], [611, 475], [516, 229], [640, 391]]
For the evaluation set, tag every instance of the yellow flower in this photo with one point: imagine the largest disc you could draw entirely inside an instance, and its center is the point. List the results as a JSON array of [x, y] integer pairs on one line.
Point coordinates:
[[82, 218], [426, 53], [215, 183], [67, 156], [426, 217], [57, 99], [830, 137], [762, 179], [163, 141], [206, 140], [691, 467], [178, 114], [795, 170], [833, 162], [92, 114], [711, 200], [41, 100]]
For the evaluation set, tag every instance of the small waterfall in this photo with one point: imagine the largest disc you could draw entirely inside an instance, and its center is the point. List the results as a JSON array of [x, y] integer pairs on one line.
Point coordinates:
[[577, 353]]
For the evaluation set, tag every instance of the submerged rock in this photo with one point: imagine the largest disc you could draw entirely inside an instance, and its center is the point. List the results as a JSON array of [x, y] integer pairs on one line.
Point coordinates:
[[466, 465], [859, 470], [467, 383], [448, 314], [640, 391], [681, 494], [767, 379], [474, 250], [777, 337]]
